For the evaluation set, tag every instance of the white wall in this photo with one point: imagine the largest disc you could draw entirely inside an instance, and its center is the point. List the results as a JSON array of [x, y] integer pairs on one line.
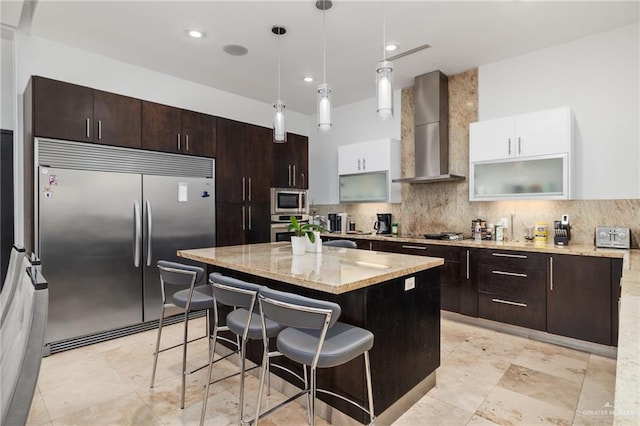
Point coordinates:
[[356, 122], [598, 76]]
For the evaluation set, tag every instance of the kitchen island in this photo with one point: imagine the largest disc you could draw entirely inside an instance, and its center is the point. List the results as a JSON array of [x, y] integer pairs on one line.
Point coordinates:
[[395, 296]]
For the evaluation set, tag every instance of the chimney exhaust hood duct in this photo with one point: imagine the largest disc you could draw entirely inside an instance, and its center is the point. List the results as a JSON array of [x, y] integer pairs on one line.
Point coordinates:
[[431, 98]]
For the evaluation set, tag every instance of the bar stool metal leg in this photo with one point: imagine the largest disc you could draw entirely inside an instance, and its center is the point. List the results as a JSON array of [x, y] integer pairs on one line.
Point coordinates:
[[367, 367], [155, 354], [184, 357]]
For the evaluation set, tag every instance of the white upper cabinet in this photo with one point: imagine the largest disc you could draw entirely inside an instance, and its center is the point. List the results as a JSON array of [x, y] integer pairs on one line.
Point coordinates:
[[527, 135], [364, 157], [367, 169], [526, 156]]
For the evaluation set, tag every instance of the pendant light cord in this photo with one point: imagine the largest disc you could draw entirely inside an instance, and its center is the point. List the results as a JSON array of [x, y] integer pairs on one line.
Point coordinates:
[[279, 99], [324, 45]]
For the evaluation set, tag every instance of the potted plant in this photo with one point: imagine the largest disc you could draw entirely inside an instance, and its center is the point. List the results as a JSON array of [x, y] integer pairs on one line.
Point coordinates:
[[303, 232]]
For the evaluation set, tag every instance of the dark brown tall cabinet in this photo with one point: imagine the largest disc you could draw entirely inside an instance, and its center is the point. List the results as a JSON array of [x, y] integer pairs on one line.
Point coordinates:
[[70, 112], [291, 162], [243, 173], [169, 129]]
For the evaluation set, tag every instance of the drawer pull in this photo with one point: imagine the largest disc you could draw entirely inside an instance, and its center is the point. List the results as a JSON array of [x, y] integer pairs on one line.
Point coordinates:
[[415, 247], [506, 302], [511, 274], [517, 256]]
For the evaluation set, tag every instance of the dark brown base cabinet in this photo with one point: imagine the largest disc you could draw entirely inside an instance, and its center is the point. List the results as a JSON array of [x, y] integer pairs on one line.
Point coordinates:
[[582, 297], [566, 295], [511, 287]]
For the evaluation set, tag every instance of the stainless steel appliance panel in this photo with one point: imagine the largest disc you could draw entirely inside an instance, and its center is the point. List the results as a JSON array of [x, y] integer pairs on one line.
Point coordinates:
[[179, 213], [87, 228]]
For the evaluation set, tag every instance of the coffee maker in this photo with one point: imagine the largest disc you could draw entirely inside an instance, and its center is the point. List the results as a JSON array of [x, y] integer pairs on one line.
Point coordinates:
[[383, 224]]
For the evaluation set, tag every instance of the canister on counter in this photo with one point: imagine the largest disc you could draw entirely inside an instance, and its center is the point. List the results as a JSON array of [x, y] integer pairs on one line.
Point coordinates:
[[540, 229]]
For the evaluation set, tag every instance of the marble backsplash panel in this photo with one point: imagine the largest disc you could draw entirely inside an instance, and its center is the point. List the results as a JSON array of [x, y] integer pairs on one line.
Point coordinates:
[[445, 206]]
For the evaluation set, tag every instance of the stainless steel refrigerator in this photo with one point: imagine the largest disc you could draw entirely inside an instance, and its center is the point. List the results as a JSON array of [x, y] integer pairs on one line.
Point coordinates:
[[105, 217]]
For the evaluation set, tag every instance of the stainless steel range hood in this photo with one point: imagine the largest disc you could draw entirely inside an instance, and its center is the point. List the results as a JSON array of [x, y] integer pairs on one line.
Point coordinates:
[[431, 97]]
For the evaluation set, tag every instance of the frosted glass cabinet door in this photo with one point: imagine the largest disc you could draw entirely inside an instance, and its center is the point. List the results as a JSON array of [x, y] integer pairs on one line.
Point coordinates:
[[543, 133], [492, 139]]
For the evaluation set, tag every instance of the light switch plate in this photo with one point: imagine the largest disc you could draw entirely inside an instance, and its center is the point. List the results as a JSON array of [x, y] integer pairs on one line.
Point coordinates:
[[409, 283]]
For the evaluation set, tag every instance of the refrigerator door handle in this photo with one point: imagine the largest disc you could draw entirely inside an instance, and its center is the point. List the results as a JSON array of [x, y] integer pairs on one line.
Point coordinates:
[[149, 231], [138, 233]]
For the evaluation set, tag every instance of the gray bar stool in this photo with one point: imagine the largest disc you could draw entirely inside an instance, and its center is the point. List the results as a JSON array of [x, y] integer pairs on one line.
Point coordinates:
[[189, 297], [243, 321], [340, 243], [313, 338]]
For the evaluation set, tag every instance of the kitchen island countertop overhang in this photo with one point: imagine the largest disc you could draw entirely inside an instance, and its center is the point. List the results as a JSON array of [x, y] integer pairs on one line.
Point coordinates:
[[335, 270]]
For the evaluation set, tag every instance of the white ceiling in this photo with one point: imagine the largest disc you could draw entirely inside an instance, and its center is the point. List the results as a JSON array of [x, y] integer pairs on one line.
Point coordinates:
[[463, 35]]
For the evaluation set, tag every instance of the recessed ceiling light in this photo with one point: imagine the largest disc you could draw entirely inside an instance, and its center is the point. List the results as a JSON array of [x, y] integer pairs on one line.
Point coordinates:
[[195, 33], [235, 49], [391, 47], [308, 79]]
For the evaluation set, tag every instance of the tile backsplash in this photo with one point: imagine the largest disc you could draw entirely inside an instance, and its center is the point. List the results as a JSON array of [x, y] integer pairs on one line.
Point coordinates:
[[435, 207]]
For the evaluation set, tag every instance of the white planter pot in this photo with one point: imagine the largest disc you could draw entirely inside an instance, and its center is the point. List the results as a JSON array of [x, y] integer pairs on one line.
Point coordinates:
[[298, 245], [316, 246]]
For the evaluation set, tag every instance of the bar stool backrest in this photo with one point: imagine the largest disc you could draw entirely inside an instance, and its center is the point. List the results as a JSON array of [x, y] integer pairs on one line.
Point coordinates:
[[177, 276], [17, 264], [234, 292], [340, 243], [293, 310]]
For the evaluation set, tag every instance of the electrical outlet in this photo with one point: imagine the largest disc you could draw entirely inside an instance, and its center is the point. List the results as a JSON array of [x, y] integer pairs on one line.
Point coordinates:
[[409, 283]]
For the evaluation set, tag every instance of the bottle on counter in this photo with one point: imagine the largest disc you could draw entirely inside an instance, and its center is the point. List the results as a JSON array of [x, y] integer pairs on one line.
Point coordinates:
[[394, 229], [477, 233]]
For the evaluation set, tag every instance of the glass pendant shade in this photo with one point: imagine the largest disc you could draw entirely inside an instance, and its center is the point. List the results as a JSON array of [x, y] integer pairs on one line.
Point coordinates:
[[279, 129], [384, 84], [324, 107]]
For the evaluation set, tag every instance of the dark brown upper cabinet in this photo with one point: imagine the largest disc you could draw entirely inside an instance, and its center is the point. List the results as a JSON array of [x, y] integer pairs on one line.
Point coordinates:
[[169, 129], [70, 112], [291, 162]]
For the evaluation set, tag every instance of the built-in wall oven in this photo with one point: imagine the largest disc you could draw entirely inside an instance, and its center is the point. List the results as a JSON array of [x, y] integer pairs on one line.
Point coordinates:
[[280, 224], [287, 202]]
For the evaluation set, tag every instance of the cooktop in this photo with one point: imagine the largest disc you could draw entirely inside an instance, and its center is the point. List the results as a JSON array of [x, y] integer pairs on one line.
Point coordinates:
[[447, 235]]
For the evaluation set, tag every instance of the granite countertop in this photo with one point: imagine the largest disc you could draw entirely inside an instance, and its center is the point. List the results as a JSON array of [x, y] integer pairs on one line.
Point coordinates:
[[336, 270], [572, 249]]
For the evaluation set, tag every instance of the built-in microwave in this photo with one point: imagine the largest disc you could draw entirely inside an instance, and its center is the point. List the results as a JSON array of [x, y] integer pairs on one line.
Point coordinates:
[[289, 201]]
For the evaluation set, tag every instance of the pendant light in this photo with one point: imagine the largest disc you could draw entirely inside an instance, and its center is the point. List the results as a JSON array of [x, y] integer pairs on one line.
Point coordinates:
[[324, 91], [279, 128], [384, 80]]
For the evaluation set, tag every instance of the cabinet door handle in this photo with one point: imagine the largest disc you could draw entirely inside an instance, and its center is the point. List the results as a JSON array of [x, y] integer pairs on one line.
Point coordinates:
[[99, 129], [507, 302], [178, 140], [370, 245], [519, 146], [358, 164], [509, 146], [517, 256], [294, 175], [302, 176], [289, 170], [249, 195], [511, 274], [186, 143], [364, 164], [249, 218], [87, 124], [414, 247], [243, 227], [244, 193], [467, 264], [551, 273]]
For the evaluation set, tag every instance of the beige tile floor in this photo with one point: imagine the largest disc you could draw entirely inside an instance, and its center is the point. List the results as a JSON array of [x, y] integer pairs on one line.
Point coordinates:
[[485, 378]]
